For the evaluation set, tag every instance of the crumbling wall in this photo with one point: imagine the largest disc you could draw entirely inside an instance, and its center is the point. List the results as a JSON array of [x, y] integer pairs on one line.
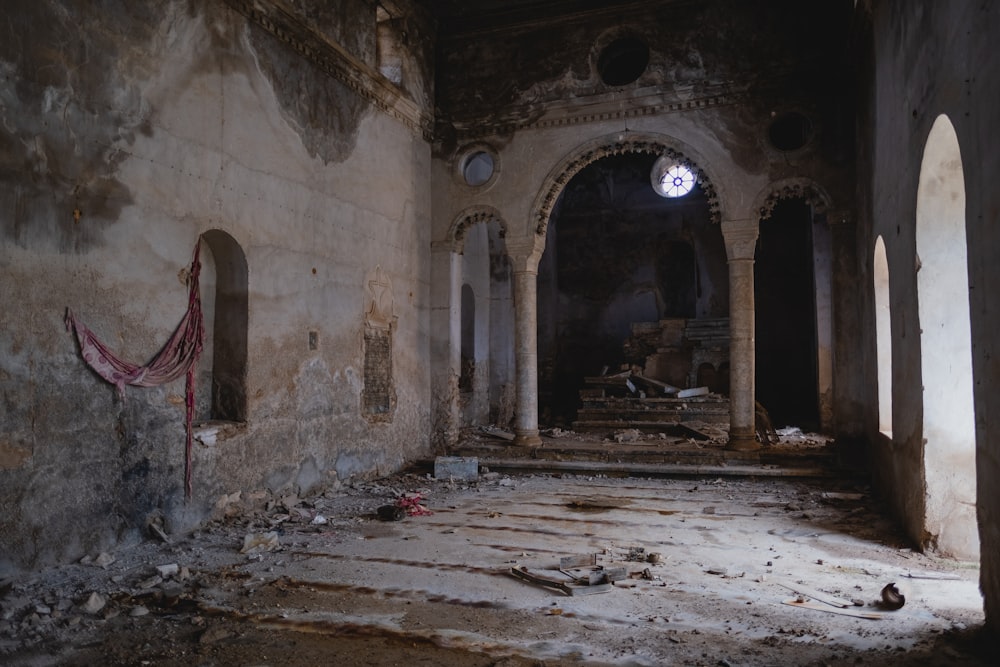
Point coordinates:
[[127, 130]]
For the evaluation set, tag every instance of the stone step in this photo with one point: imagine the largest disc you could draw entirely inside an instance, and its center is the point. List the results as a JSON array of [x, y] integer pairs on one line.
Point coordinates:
[[668, 412]]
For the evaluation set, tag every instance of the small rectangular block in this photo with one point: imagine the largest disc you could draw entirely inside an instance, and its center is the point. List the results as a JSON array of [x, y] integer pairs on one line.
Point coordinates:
[[464, 468]]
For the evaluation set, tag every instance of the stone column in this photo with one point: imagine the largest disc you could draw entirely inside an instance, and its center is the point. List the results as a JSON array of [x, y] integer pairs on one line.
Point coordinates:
[[741, 240], [524, 255], [446, 300]]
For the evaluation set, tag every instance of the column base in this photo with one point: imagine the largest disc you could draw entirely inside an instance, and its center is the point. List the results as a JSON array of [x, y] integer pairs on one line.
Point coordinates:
[[526, 438], [743, 443]]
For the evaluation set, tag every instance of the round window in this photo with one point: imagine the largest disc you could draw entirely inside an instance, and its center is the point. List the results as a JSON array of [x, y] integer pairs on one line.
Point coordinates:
[[478, 168], [623, 61], [790, 131], [672, 179]]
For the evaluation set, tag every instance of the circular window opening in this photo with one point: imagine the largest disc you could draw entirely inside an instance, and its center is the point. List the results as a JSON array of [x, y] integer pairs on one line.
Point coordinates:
[[790, 131], [623, 61], [672, 179], [478, 168]]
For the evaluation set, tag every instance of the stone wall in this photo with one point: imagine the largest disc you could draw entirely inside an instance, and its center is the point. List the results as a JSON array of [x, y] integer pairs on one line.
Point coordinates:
[[128, 131], [922, 60]]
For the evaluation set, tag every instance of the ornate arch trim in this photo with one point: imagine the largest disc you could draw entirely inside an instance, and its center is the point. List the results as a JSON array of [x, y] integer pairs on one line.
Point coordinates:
[[793, 188], [607, 146], [469, 217]]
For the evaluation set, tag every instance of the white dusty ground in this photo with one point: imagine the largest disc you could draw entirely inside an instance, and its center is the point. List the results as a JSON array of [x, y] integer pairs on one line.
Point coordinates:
[[435, 589]]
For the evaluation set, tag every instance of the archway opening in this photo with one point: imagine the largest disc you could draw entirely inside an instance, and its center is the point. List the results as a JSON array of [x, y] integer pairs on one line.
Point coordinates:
[[949, 459], [624, 270], [486, 375], [786, 372], [883, 337]]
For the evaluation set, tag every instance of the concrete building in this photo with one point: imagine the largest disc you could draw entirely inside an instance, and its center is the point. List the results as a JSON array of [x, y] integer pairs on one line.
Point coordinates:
[[417, 216]]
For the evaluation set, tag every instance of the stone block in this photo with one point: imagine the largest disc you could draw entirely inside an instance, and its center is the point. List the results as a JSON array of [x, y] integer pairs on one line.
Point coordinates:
[[464, 468]]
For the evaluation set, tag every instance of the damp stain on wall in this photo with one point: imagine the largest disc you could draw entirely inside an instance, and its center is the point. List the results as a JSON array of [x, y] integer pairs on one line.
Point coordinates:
[[67, 108], [323, 111]]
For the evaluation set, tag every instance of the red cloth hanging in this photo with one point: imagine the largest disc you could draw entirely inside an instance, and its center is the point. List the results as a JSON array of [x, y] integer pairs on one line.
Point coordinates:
[[176, 358]]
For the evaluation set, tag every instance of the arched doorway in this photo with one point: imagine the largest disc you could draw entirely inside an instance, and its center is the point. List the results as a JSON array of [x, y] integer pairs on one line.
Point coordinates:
[[785, 300], [949, 455]]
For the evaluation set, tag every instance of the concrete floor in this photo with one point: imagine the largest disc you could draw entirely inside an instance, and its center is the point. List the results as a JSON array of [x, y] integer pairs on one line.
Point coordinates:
[[436, 588]]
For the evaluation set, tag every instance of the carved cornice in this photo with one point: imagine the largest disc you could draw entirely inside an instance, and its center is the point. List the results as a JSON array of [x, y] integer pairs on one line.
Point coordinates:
[[332, 59], [556, 117], [554, 185]]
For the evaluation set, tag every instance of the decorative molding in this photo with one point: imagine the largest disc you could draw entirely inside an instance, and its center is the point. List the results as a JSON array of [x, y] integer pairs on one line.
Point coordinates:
[[798, 188], [332, 59], [612, 112], [469, 217], [622, 145]]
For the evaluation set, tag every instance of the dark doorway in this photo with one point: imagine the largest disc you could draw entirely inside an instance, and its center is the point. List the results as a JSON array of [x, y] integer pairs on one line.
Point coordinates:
[[785, 312]]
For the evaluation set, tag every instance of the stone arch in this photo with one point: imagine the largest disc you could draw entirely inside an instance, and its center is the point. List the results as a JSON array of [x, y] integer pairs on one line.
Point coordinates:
[[616, 144], [792, 188], [469, 217]]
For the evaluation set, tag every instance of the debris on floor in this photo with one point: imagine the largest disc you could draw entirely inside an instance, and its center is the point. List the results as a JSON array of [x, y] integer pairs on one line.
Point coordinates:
[[434, 588], [574, 587]]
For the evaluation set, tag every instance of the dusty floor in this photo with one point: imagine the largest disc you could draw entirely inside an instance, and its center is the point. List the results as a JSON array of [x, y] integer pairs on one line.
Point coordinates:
[[435, 589]]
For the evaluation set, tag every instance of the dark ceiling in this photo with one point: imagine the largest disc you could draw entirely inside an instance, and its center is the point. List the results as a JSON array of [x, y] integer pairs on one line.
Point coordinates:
[[464, 15]]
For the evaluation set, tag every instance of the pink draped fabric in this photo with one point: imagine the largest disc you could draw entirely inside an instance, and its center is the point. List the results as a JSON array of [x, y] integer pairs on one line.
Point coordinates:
[[176, 358]]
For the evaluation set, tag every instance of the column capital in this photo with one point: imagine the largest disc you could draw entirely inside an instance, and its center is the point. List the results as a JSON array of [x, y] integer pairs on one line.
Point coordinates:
[[740, 237], [525, 253]]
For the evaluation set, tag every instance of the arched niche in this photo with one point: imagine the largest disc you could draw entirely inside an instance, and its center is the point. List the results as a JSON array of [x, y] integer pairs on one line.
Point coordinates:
[[227, 331], [949, 454]]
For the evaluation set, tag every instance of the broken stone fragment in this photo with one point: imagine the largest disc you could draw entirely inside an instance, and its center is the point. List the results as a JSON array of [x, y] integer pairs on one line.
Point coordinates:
[[169, 570], [94, 604], [259, 542], [155, 580], [104, 559]]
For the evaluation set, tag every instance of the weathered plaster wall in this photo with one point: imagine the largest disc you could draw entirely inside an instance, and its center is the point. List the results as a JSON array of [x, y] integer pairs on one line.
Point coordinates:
[[158, 122], [928, 59]]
